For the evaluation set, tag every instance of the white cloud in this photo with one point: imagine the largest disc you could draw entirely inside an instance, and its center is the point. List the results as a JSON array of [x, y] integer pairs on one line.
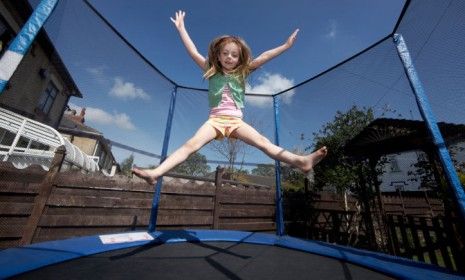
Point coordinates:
[[331, 29], [119, 88], [96, 71], [127, 90], [270, 84], [99, 116], [98, 74]]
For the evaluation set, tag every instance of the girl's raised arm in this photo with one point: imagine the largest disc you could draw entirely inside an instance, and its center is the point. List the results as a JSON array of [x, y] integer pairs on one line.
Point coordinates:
[[190, 46], [270, 54]]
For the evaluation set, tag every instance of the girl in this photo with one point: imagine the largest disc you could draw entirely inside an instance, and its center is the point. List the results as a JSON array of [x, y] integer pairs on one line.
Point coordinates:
[[227, 66]]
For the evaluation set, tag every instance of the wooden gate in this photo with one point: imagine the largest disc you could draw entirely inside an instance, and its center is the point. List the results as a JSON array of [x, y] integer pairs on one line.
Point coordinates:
[[426, 239]]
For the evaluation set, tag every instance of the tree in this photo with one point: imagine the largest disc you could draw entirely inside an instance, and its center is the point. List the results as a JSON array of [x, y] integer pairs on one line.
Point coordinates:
[[264, 170], [423, 171], [230, 149], [126, 165], [461, 175], [337, 170], [425, 166], [195, 165]]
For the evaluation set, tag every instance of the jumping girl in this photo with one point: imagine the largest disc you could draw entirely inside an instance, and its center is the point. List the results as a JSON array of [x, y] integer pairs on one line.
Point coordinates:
[[227, 66]]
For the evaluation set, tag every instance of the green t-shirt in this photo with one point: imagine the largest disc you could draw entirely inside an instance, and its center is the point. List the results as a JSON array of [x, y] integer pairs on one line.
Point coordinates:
[[216, 84]]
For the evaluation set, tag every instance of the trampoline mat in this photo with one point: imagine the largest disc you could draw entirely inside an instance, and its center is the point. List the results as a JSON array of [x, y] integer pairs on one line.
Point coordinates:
[[207, 260]]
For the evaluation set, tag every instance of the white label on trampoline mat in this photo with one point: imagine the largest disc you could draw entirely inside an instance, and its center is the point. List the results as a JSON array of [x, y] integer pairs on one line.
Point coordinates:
[[125, 237]]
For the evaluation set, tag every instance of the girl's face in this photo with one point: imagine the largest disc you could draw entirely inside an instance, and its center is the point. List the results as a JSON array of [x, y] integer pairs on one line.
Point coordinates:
[[229, 57]]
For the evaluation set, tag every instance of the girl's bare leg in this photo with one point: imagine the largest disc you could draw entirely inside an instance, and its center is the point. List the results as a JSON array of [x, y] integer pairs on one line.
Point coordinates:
[[204, 135], [305, 163]]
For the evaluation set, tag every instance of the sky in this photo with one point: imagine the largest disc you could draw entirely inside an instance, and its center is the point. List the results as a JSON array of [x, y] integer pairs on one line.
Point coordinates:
[[127, 100], [330, 31]]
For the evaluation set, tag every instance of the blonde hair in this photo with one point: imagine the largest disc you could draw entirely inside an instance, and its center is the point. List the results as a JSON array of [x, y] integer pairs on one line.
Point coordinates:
[[242, 69]]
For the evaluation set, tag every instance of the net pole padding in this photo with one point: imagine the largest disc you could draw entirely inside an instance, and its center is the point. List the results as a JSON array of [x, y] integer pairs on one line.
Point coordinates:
[[164, 152], [18, 48], [279, 195], [430, 120]]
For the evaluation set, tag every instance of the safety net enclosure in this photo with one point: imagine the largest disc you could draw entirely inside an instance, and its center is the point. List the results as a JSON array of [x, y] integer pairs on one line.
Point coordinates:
[[377, 110]]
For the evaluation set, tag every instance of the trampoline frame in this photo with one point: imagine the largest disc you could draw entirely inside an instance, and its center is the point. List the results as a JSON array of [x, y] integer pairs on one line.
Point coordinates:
[[15, 261]]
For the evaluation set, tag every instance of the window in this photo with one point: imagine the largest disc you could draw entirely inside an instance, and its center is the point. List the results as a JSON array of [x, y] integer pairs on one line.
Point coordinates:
[[394, 165], [422, 156], [6, 139], [101, 154], [47, 98], [101, 159]]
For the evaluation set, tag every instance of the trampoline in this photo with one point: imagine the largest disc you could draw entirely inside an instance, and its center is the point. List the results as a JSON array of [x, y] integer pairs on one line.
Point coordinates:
[[216, 254], [205, 254]]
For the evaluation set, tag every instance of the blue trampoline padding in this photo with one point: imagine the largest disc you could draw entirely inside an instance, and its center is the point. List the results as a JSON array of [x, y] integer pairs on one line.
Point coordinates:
[[17, 260], [26, 36]]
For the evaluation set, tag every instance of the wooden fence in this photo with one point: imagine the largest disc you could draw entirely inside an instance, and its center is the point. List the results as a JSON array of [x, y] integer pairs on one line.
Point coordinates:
[[37, 206], [326, 216], [416, 204], [406, 224], [427, 239]]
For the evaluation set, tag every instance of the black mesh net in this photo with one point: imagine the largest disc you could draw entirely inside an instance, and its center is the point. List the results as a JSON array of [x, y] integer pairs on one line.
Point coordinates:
[[363, 109]]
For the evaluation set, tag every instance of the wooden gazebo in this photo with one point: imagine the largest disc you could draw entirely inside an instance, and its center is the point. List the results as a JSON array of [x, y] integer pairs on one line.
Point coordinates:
[[386, 136]]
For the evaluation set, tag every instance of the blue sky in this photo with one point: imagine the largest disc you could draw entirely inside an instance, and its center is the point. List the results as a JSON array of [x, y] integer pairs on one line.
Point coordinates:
[[128, 103], [330, 31]]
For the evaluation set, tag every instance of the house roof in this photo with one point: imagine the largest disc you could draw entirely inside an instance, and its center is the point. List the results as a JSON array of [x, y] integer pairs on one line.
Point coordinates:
[[74, 125], [386, 136], [24, 10], [71, 126]]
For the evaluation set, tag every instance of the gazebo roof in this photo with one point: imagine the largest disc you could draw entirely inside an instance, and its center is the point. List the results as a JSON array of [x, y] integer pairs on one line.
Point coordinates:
[[386, 136]]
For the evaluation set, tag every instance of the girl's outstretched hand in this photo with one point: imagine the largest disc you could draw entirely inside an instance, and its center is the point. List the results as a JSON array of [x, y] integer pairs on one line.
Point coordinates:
[[290, 41], [179, 19]]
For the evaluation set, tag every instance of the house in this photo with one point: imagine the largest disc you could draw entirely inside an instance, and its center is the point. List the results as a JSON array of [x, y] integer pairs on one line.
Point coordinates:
[[37, 95], [88, 139], [41, 86]]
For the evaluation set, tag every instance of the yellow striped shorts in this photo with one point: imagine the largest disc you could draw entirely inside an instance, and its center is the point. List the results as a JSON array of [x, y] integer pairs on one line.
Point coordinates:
[[224, 125]]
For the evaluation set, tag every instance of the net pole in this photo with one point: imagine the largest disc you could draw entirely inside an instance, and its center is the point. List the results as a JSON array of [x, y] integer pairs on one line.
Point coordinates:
[[164, 152], [279, 196], [18, 48], [430, 120]]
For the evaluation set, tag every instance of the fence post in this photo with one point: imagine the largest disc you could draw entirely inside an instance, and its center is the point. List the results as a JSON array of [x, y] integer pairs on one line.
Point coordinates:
[[40, 200], [217, 197], [306, 207], [380, 214], [367, 215], [429, 204], [399, 192]]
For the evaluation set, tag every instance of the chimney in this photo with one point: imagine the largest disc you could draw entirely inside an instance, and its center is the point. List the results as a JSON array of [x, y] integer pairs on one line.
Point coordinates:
[[82, 114], [77, 118]]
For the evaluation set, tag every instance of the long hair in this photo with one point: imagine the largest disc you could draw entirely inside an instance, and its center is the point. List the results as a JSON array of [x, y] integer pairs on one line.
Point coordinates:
[[242, 69]]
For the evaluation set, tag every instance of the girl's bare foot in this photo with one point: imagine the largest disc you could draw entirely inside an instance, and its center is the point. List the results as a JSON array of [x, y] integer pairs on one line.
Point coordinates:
[[146, 174], [313, 159]]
